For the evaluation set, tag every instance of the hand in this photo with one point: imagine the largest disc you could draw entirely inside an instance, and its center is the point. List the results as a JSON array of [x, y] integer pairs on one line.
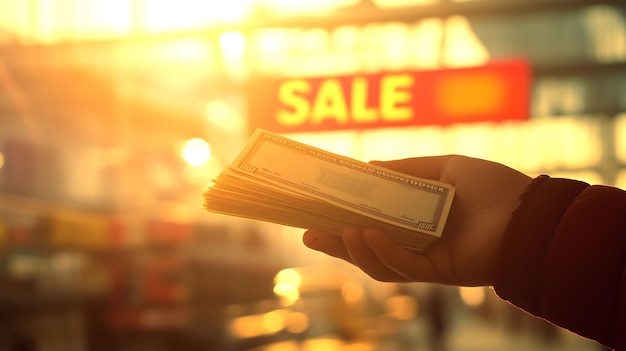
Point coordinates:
[[486, 195]]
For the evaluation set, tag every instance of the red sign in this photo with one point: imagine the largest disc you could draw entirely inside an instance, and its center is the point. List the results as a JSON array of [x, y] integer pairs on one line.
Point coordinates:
[[495, 92]]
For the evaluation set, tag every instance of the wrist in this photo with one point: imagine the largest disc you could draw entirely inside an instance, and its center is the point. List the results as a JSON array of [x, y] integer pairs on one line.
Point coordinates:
[[527, 237]]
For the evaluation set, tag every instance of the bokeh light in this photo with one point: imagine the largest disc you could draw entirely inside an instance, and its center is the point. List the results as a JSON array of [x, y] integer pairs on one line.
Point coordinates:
[[472, 296], [233, 44], [196, 151]]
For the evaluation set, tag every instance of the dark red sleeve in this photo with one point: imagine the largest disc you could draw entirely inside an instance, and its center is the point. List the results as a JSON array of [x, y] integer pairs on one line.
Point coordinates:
[[564, 257]]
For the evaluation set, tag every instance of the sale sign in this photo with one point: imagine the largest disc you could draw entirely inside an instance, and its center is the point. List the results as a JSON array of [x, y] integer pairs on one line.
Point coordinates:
[[495, 92]]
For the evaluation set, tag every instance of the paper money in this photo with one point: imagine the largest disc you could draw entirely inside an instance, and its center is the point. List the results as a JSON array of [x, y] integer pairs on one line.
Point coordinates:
[[275, 179]]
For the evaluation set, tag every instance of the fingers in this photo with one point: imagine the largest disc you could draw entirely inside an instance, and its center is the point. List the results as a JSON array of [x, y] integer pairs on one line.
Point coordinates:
[[408, 264], [363, 256], [326, 243], [375, 253], [423, 167]]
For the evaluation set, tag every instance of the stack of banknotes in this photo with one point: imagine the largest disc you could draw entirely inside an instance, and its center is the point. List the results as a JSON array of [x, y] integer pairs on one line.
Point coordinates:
[[279, 180]]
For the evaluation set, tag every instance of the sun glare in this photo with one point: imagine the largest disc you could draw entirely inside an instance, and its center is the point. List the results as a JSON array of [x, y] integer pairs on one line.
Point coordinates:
[[162, 15], [308, 7], [196, 151], [233, 44]]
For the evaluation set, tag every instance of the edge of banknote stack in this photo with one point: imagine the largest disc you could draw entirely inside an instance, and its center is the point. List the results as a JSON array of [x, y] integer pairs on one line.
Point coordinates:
[[279, 180]]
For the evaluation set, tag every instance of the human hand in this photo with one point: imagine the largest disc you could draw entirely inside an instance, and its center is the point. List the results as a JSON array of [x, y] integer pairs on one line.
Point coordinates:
[[486, 195]]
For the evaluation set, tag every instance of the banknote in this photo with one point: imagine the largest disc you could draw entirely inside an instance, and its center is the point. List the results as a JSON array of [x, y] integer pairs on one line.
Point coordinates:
[[279, 180]]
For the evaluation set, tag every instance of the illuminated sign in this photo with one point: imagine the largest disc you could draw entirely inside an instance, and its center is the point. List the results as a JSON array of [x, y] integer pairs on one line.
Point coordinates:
[[495, 92]]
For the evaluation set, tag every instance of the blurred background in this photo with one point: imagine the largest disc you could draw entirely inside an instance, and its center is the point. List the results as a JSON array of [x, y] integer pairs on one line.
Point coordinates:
[[116, 115]]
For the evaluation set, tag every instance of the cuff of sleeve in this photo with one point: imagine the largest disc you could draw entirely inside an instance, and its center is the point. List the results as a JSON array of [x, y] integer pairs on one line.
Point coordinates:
[[527, 237]]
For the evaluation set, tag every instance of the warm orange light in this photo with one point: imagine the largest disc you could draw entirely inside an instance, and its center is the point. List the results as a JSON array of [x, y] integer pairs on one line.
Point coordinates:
[[246, 327], [360, 346], [620, 182], [233, 44], [196, 151], [352, 291], [620, 137], [99, 157], [273, 321], [175, 212], [197, 175], [401, 3], [4, 234], [326, 344], [283, 346], [287, 293], [297, 322], [470, 94], [309, 7], [257, 325], [223, 116], [472, 296], [1, 160], [286, 286], [288, 276], [401, 307]]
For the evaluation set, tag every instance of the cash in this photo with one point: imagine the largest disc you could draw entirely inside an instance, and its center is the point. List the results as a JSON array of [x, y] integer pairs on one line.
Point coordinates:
[[279, 180]]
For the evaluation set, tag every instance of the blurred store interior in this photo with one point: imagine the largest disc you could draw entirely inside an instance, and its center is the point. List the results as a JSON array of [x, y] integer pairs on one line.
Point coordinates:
[[115, 116]]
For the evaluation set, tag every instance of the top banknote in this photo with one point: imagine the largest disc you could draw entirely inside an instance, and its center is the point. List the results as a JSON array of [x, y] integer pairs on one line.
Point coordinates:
[[279, 180]]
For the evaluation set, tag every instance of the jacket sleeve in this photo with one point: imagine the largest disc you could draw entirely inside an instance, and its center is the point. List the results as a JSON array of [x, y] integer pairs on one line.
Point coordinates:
[[563, 258]]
